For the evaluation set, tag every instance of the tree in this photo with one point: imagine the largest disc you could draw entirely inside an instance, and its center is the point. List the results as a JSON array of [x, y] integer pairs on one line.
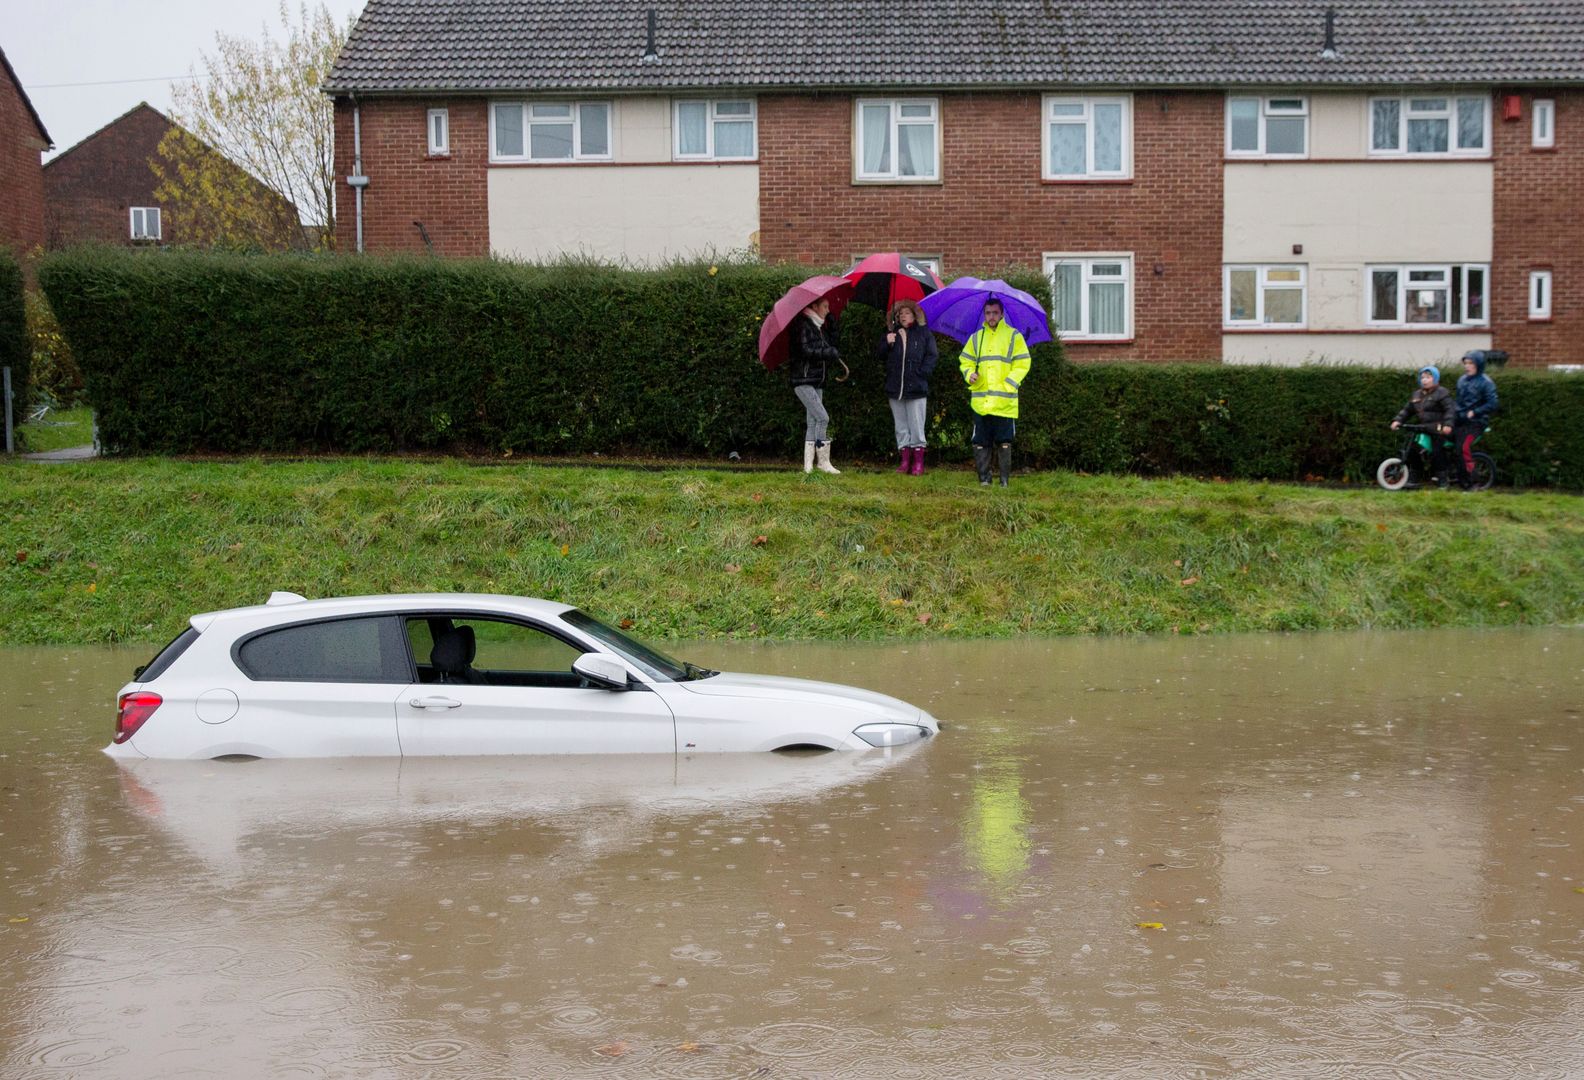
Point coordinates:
[[258, 104]]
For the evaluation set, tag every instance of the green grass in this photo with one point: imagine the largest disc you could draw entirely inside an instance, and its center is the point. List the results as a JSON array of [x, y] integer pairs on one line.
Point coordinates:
[[58, 431], [125, 550]]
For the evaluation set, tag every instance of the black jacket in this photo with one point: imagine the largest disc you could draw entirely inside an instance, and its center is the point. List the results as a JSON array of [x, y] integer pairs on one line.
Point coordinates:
[[908, 375], [1433, 407], [810, 348], [1477, 393]]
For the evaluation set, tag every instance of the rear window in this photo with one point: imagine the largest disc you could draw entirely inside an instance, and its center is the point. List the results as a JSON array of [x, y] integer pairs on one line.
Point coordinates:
[[166, 656], [338, 650]]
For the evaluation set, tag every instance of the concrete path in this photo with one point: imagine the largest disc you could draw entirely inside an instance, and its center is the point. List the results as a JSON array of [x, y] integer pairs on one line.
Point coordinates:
[[71, 453]]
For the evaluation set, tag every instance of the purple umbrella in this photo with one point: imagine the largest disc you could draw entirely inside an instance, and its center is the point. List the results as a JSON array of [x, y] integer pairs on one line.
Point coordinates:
[[958, 309]]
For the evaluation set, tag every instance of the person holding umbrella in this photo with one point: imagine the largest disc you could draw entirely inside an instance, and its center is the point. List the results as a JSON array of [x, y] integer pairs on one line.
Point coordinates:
[[910, 355], [994, 362], [812, 348]]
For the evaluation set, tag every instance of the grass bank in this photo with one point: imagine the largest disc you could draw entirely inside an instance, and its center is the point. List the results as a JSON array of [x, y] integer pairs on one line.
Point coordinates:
[[59, 430], [124, 550]]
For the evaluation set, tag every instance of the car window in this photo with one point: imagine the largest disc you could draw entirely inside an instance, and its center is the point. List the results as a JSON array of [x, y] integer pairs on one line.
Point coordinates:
[[166, 656], [501, 646], [367, 649]]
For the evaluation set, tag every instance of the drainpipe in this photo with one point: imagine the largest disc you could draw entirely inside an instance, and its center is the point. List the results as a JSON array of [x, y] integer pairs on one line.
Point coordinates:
[[357, 180]]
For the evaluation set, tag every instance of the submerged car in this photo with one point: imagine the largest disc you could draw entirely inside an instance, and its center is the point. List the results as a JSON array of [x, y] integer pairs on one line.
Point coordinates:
[[464, 674]]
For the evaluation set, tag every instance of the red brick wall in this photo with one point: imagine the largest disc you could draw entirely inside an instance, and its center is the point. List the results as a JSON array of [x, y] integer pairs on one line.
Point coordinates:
[[90, 189], [450, 195], [992, 208], [21, 180], [1539, 225]]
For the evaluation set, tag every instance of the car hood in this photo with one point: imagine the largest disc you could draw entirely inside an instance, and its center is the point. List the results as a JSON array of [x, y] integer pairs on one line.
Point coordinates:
[[733, 684]]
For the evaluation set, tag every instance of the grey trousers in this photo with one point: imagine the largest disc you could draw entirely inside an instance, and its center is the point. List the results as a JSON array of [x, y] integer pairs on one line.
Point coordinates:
[[816, 419], [908, 416]]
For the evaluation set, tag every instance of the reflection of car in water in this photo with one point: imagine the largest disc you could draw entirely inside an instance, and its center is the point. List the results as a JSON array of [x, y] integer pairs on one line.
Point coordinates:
[[220, 810], [465, 674]]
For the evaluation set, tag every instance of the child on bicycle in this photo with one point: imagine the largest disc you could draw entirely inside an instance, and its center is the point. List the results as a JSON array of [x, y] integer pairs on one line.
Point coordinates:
[[1476, 404], [1432, 406]]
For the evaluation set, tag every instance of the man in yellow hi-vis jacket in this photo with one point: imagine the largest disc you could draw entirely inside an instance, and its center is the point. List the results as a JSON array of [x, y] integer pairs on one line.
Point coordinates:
[[995, 361]]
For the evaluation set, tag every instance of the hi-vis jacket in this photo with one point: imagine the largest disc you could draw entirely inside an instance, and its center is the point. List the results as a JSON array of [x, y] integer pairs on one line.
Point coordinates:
[[995, 363]]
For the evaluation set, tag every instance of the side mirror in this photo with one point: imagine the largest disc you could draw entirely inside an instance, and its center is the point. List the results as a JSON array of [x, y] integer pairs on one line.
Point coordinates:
[[602, 670]]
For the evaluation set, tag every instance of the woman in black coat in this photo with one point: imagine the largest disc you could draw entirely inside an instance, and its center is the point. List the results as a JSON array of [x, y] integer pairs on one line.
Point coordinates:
[[811, 349], [909, 352]]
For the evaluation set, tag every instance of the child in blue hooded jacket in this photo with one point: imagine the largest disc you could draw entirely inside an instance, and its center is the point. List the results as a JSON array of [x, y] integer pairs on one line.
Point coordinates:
[[1476, 404]]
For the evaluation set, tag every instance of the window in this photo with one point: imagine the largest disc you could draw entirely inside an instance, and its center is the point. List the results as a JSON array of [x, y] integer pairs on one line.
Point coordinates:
[[715, 130], [439, 132], [1430, 125], [165, 657], [1544, 123], [1087, 138], [1267, 127], [898, 139], [1427, 295], [551, 131], [504, 653], [1092, 296], [1265, 295], [368, 649], [145, 223], [1539, 294]]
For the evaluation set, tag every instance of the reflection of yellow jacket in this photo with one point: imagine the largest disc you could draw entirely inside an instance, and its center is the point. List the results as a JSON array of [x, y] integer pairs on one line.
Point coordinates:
[[995, 363]]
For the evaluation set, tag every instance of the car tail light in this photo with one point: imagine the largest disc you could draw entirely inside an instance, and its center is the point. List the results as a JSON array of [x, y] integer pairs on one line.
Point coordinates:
[[132, 711]]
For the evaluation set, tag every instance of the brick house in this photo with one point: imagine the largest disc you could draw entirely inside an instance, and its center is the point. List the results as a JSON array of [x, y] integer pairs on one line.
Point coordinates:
[[101, 190], [1395, 183], [22, 141]]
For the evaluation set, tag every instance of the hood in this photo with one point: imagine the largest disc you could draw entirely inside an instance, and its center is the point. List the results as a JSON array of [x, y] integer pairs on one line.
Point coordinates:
[[738, 685], [1435, 374], [1478, 356]]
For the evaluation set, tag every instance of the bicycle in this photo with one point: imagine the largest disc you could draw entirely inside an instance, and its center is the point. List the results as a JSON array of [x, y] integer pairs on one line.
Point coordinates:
[[1410, 468]]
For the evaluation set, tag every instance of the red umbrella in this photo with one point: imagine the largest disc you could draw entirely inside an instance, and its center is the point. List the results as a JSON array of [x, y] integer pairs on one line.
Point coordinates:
[[881, 280], [773, 335]]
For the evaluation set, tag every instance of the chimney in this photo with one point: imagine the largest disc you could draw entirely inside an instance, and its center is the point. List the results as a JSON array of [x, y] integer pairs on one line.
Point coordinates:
[[1329, 52], [650, 56]]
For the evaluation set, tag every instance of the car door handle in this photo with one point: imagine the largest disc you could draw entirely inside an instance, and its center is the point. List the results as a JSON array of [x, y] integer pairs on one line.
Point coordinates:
[[434, 703]]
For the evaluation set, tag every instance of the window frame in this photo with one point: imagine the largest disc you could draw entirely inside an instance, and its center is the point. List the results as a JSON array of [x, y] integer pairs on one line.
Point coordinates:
[[132, 223], [1456, 286], [438, 147], [1086, 259], [1261, 283], [710, 120], [1265, 115], [1541, 311], [525, 107], [1088, 101], [1543, 112], [895, 105], [1449, 114]]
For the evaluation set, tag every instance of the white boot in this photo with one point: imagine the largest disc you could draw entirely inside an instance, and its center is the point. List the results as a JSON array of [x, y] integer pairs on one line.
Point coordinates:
[[808, 457], [823, 456]]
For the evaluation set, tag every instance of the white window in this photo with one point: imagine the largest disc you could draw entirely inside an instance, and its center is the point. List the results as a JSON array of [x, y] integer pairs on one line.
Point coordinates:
[[1088, 138], [1092, 296], [933, 262], [1544, 122], [715, 130], [1265, 295], [1267, 127], [1428, 295], [439, 132], [1539, 294], [550, 131], [1430, 126], [145, 223], [898, 139]]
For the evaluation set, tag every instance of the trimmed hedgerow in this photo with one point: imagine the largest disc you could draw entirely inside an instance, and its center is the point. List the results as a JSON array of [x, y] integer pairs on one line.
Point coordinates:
[[186, 351], [15, 350]]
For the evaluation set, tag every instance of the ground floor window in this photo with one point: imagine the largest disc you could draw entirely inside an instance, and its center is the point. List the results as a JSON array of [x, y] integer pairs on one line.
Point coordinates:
[[1427, 295], [1539, 294], [1265, 295], [1092, 296]]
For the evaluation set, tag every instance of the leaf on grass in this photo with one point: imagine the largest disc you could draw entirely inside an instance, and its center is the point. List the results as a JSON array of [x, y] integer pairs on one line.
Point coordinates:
[[1380, 526], [566, 549], [626, 624], [733, 568], [615, 1049], [1177, 562], [757, 497], [820, 614], [1503, 603], [93, 586], [1150, 926], [1189, 581], [898, 602], [235, 547], [21, 556], [760, 540], [924, 617]]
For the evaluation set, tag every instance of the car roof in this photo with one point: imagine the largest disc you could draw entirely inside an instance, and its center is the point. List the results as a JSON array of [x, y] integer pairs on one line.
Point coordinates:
[[285, 608]]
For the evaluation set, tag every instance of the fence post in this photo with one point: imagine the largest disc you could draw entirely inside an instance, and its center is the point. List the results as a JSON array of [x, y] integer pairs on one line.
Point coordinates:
[[10, 442]]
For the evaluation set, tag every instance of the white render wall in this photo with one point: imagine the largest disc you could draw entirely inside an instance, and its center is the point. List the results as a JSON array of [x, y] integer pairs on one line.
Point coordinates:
[[639, 208], [1413, 350]]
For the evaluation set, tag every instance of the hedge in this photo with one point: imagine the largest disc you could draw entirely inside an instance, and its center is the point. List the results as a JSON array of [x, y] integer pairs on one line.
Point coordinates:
[[189, 352], [15, 350]]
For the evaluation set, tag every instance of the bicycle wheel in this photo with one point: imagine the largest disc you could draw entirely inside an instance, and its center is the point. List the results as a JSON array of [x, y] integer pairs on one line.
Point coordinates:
[[1392, 474], [1484, 471]]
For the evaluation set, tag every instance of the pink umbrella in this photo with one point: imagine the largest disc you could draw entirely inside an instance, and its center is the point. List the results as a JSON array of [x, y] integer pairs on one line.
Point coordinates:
[[773, 335]]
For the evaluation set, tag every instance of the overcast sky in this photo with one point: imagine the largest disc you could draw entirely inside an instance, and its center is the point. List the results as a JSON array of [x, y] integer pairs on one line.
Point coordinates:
[[129, 48]]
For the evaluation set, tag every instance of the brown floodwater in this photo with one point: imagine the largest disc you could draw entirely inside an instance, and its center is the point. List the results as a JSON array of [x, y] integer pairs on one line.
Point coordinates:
[[1356, 855]]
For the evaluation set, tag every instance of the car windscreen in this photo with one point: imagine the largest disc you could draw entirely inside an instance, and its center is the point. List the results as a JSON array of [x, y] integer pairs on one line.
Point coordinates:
[[166, 656], [652, 662]]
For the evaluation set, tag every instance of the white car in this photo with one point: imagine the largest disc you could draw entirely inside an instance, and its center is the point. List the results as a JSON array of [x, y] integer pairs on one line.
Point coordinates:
[[437, 674]]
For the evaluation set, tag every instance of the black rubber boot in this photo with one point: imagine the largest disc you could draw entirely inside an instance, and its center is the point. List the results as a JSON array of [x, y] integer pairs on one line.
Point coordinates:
[[1005, 451], [982, 464]]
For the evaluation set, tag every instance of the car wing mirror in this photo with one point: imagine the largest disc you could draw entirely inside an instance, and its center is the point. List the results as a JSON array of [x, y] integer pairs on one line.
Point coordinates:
[[602, 670]]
